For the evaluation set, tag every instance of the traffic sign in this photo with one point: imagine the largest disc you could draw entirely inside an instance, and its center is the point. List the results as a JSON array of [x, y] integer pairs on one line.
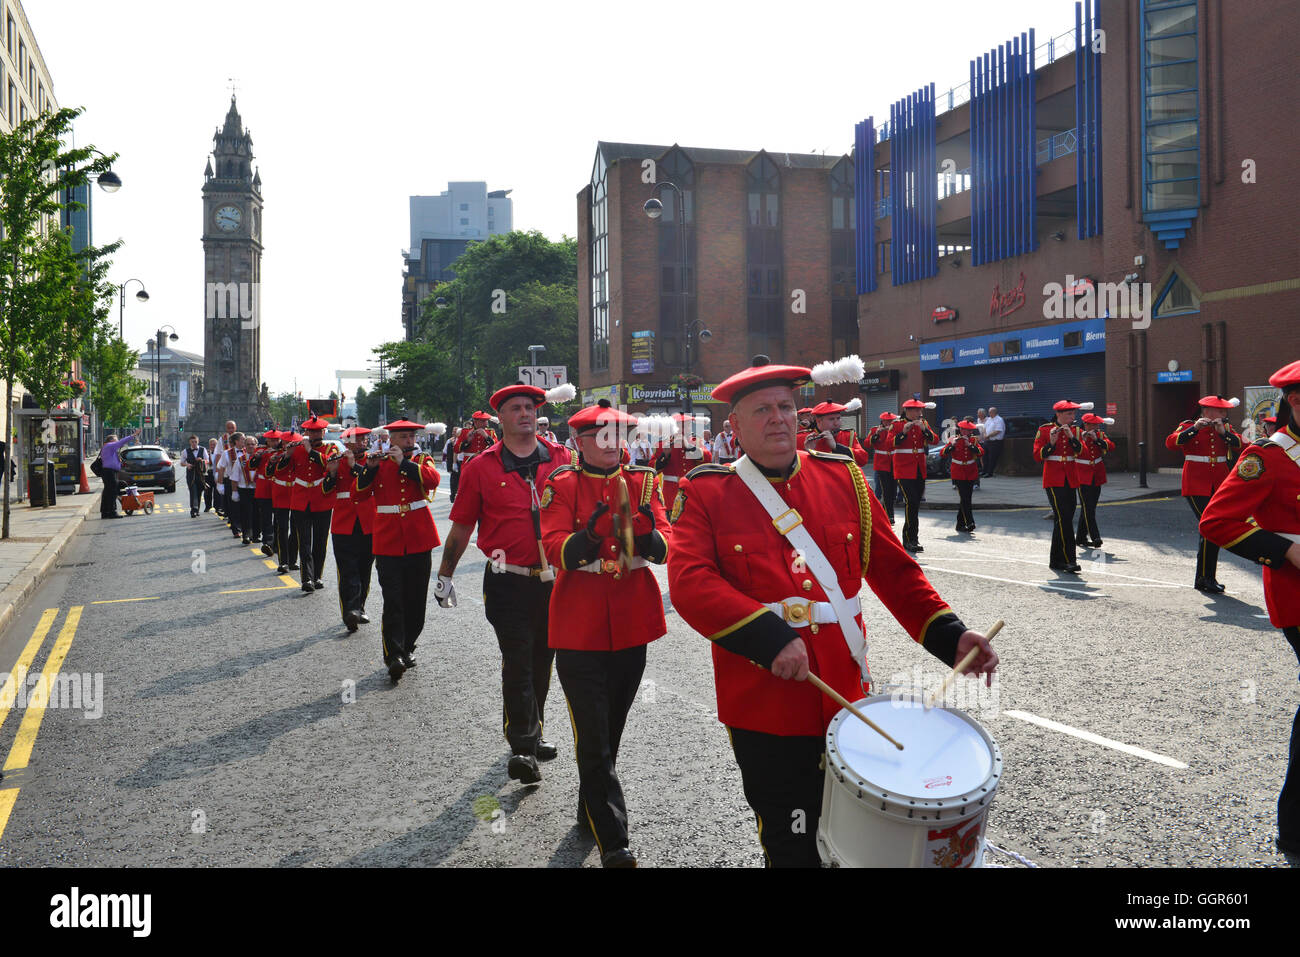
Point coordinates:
[[546, 377]]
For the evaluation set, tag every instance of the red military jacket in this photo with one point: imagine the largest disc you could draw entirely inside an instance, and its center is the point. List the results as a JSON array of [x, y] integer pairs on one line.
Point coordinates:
[[1058, 457], [881, 444], [677, 464], [261, 459], [1090, 463], [844, 437], [304, 467], [910, 447], [278, 470], [965, 454], [614, 608], [1205, 455], [403, 523], [1265, 485], [471, 442], [349, 508], [728, 560]]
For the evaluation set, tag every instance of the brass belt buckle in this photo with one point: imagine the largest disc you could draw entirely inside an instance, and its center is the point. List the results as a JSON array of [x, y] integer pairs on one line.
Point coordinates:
[[403, 507], [797, 611], [608, 566]]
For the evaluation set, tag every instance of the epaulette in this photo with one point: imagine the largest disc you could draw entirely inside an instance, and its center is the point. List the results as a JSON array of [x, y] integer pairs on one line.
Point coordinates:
[[709, 468], [829, 456], [637, 468], [562, 469]]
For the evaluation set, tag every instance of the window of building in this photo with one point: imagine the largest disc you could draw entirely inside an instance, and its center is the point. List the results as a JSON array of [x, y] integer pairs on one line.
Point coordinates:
[[844, 327], [765, 309], [464, 221], [11, 33], [1175, 299], [844, 266], [13, 99], [1170, 117], [464, 206], [677, 293], [598, 230]]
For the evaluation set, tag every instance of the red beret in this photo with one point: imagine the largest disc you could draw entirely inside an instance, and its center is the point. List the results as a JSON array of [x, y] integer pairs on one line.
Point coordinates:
[[759, 375], [967, 426], [918, 404], [272, 434], [805, 411], [594, 416], [1065, 405], [827, 408], [1271, 419], [355, 432], [887, 417], [1218, 402], [404, 425], [481, 416], [1286, 376], [538, 395], [292, 436], [314, 423]]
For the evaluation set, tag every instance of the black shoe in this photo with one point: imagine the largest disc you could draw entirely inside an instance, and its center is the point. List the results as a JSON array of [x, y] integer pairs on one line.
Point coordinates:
[[267, 549], [619, 857], [396, 669], [282, 570], [244, 542], [317, 584], [1075, 568], [293, 566], [1096, 543], [970, 527], [545, 751], [194, 513], [909, 546], [234, 533], [918, 547], [523, 768], [409, 660], [1209, 586], [363, 618], [306, 586], [114, 515], [351, 620]]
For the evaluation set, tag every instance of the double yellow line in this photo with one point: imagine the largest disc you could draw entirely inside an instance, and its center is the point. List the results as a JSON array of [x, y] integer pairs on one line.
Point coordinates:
[[21, 750]]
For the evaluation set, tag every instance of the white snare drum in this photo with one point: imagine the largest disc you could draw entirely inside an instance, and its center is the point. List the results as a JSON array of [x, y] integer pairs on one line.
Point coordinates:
[[924, 806]]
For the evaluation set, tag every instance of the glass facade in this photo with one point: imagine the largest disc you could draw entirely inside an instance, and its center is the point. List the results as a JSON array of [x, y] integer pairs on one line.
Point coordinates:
[[1170, 114], [676, 311], [763, 261], [598, 230]]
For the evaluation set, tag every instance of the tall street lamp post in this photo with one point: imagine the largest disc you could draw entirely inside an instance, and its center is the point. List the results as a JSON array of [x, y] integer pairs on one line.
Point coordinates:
[[142, 296]]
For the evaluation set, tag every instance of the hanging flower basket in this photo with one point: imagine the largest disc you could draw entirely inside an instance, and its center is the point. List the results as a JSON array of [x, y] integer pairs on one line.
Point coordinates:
[[78, 386], [685, 383]]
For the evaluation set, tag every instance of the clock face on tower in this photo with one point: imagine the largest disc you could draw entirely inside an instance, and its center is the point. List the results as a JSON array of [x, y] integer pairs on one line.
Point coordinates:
[[228, 218]]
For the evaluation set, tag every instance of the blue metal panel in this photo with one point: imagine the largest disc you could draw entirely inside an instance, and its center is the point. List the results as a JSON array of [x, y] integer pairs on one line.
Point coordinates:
[[1079, 175], [1096, 129], [1033, 156], [864, 202]]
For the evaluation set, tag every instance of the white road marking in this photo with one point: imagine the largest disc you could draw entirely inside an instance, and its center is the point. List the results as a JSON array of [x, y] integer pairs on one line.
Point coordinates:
[[1031, 561], [1017, 581], [1097, 739]]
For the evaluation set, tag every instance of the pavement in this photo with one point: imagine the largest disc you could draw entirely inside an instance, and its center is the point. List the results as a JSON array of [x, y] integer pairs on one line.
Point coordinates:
[[1026, 491], [38, 537]]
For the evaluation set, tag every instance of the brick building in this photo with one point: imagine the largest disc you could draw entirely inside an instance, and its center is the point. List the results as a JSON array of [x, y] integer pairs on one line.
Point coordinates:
[[1140, 152], [769, 241]]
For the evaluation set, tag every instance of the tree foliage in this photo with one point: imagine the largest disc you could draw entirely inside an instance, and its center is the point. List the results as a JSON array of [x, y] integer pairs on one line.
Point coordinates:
[[107, 361]]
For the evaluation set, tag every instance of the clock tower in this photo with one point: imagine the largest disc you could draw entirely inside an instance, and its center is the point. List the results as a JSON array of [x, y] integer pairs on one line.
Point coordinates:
[[232, 272]]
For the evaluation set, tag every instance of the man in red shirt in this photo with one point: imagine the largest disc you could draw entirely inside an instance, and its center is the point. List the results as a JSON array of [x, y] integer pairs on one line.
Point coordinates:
[[602, 523], [400, 482], [964, 453], [732, 578], [912, 440], [1090, 469], [281, 475], [1207, 443], [881, 443], [304, 464], [500, 491], [264, 518], [351, 527], [1056, 445], [828, 435]]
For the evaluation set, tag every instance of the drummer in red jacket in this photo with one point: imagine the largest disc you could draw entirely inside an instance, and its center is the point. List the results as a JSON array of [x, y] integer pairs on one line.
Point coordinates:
[[732, 578], [964, 453], [1057, 445], [1090, 470], [351, 528], [603, 523], [1207, 443], [401, 481]]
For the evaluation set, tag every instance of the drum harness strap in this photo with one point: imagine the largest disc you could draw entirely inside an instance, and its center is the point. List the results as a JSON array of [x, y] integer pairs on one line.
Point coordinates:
[[790, 524]]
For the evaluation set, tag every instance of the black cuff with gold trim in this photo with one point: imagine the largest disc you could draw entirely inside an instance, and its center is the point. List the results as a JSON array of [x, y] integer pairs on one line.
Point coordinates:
[[578, 549], [330, 482], [941, 638], [1263, 548], [652, 547], [368, 475], [761, 640]]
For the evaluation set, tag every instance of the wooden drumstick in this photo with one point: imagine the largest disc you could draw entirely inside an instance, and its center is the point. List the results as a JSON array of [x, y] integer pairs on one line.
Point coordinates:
[[962, 665], [844, 703]]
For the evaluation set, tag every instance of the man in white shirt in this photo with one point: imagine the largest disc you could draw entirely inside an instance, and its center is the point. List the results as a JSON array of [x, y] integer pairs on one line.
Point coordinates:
[[995, 431], [724, 445]]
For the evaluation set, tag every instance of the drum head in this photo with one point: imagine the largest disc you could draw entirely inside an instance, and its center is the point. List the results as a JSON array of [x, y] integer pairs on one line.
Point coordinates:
[[945, 754]]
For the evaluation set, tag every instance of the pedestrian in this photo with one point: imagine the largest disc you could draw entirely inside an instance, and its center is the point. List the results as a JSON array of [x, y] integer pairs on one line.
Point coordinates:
[[194, 458], [1253, 513], [219, 463], [732, 579], [310, 508], [603, 523], [1207, 443], [543, 430], [912, 438], [881, 443], [226, 441], [995, 432], [1056, 445], [725, 448], [239, 475], [281, 474], [1090, 469], [111, 460], [500, 493], [963, 451], [351, 527], [210, 477], [400, 482], [827, 436]]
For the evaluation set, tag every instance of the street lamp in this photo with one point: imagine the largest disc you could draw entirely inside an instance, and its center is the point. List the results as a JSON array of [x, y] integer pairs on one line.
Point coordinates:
[[654, 208], [441, 303], [142, 296], [157, 389]]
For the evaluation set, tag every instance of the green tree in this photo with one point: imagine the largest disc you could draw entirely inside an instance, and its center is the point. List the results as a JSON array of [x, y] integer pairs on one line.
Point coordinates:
[[367, 408], [285, 406], [35, 308], [107, 361]]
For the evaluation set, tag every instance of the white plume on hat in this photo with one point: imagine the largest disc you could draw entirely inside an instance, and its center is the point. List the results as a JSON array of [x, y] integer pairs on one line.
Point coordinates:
[[932, 405], [1107, 421], [1085, 406], [494, 420], [561, 393], [848, 369], [853, 405], [437, 428], [656, 427], [1234, 402]]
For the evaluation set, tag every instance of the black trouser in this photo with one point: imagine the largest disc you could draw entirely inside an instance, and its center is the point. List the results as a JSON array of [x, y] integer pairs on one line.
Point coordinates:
[[455, 482], [886, 489], [600, 687], [1088, 531], [404, 580], [784, 781], [313, 531], [264, 524], [516, 609], [209, 486], [108, 498], [1288, 802], [912, 489], [286, 535], [244, 510], [1062, 499], [992, 452], [194, 481], [1207, 553], [227, 511], [354, 561], [965, 516]]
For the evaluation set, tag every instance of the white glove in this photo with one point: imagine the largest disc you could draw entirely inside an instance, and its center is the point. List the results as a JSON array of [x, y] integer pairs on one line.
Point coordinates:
[[445, 592], [234, 495]]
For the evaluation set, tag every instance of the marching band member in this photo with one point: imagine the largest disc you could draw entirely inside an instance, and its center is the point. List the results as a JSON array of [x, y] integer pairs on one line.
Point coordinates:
[[474, 440], [912, 440], [286, 537], [1056, 445], [239, 484], [500, 492], [602, 523], [544, 430], [1090, 469], [805, 422], [1206, 443], [964, 451], [351, 527], [1255, 513], [732, 579], [725, 447], [304, 465], [400, 482], [827, 436], [677, 454], [1270, 424], [264, 531], [881, 443]]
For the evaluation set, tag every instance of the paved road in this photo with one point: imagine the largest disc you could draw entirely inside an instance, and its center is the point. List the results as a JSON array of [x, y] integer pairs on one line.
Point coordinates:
[[241, 725]]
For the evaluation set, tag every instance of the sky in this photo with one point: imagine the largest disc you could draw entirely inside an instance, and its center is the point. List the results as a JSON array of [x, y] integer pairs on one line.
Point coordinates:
[[353, 108]]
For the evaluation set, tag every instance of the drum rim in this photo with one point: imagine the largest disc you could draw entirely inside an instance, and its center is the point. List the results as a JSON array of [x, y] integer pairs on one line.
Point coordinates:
[[979, 796]]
